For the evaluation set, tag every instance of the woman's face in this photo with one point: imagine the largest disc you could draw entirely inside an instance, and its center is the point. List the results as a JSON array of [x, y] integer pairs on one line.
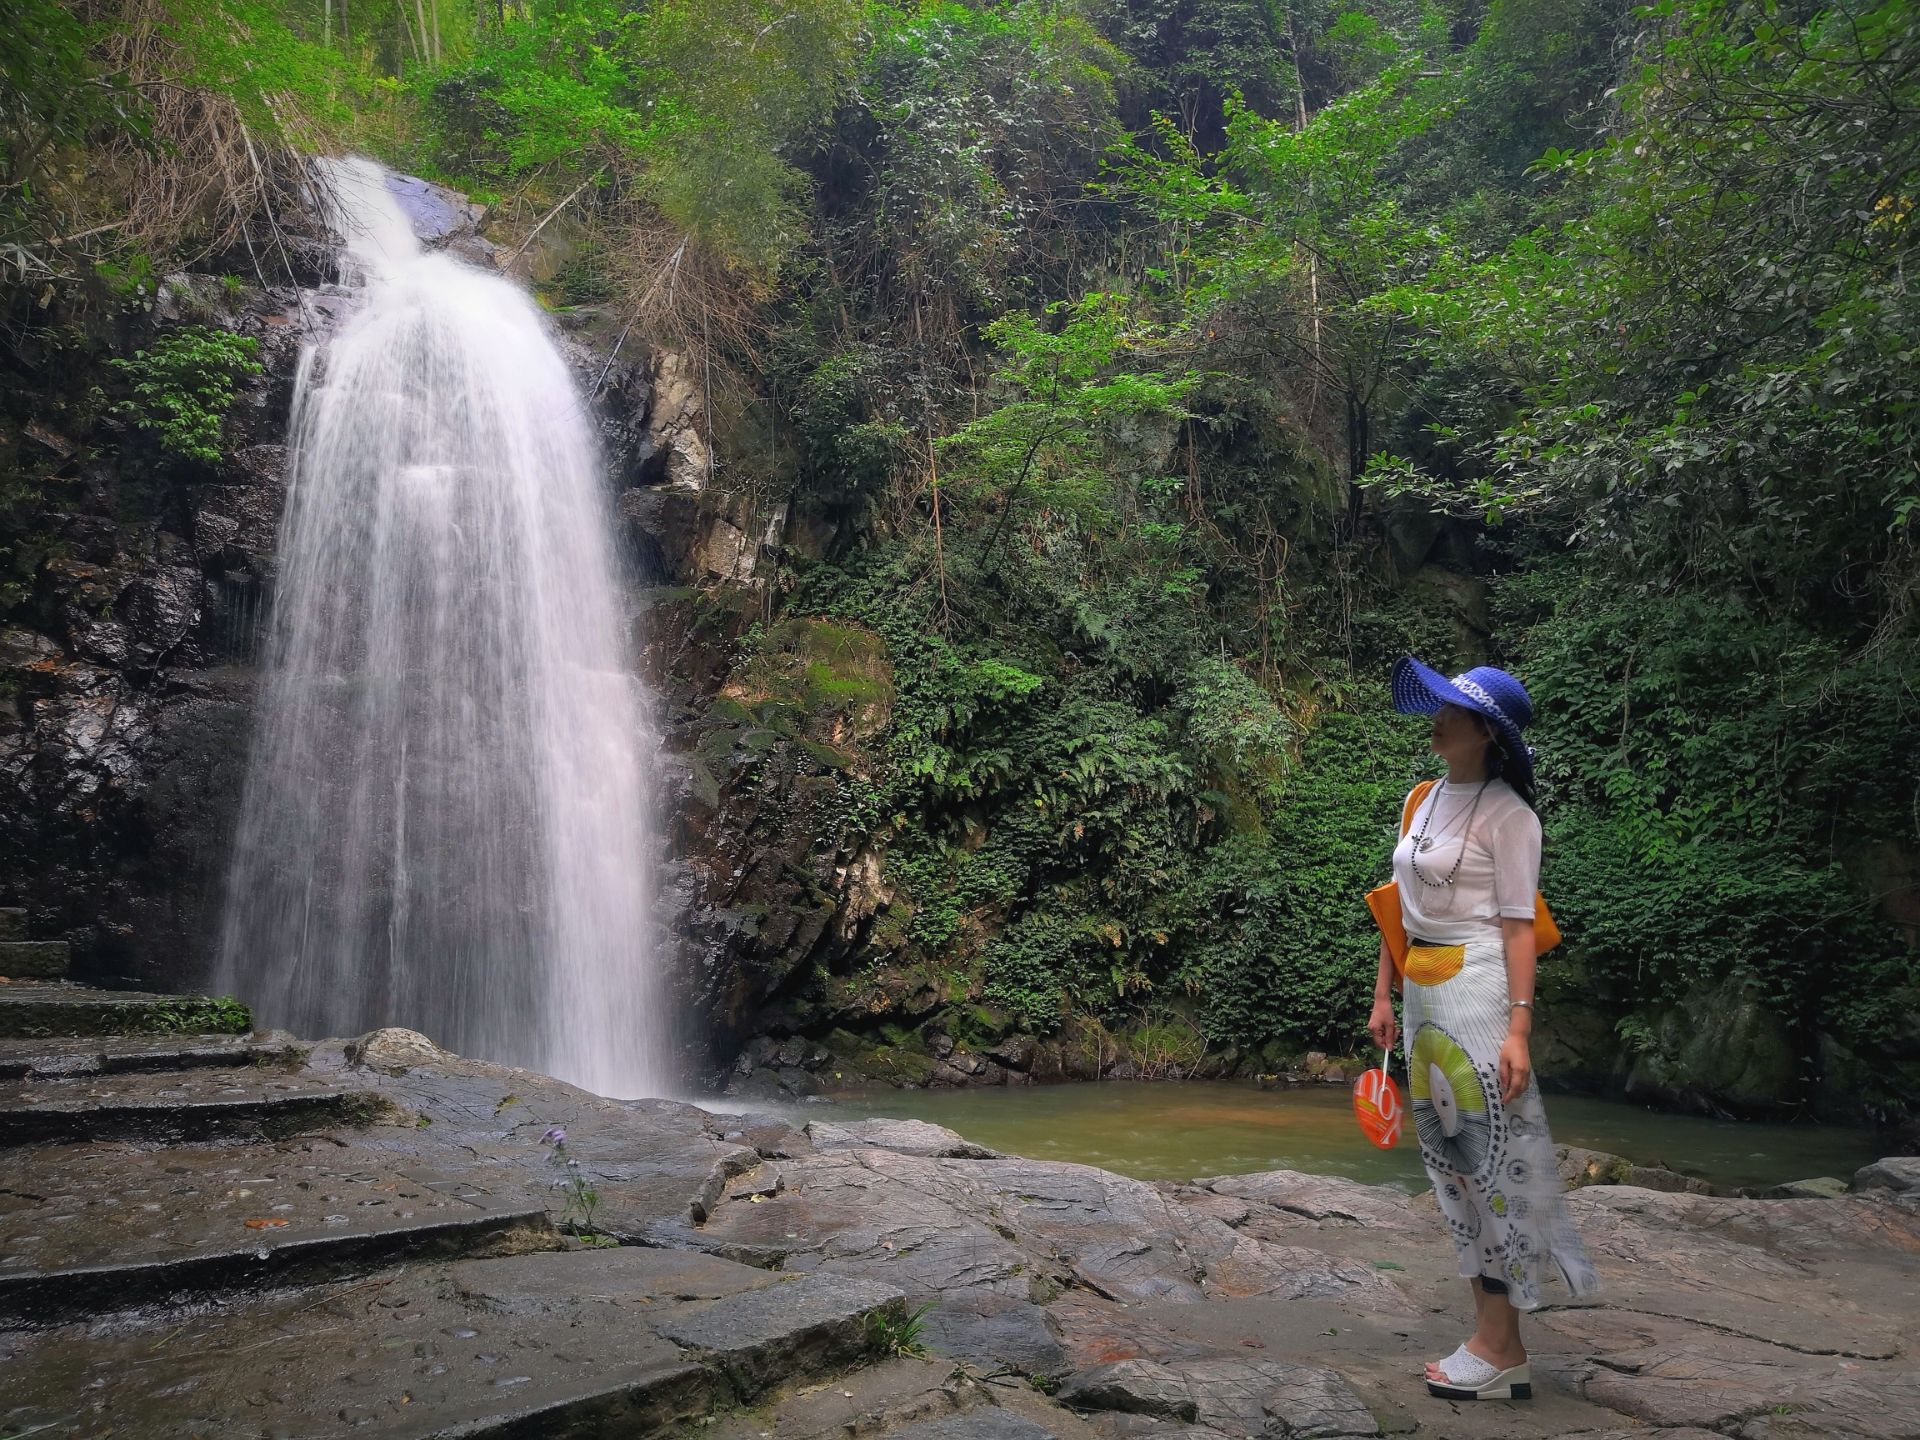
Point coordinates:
[[1458, 735]]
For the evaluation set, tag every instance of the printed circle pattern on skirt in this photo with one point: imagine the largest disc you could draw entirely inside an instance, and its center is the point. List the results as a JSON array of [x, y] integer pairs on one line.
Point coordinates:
[[1450, 1111]]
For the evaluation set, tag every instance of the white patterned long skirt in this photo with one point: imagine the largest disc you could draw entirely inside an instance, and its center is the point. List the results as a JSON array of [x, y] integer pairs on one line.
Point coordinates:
[[1491, 1164]]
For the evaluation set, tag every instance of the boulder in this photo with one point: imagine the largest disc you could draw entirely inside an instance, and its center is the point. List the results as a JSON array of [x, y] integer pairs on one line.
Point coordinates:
[[1898, 1173], [393, 1051], [1723, 1049], [442, 219], [1822, 1187], [1578, 1167]]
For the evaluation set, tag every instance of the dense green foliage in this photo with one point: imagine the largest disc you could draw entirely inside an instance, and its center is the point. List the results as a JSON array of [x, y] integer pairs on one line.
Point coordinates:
[[182, 386], [1159, 371], [1560, 276]]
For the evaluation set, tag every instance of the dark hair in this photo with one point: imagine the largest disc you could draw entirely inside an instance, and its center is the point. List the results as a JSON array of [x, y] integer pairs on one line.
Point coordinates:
[[1499, 766]]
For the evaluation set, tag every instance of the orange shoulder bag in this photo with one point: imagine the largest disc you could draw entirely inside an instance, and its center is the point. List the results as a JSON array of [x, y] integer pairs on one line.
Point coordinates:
[[1384, 902]]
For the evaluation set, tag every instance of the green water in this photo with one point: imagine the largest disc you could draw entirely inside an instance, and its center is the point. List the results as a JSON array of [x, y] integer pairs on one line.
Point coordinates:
[[1162, 1131]]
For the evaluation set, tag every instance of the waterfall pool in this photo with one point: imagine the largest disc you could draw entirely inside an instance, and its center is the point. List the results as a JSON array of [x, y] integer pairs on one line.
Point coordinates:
[[1161, 1130]]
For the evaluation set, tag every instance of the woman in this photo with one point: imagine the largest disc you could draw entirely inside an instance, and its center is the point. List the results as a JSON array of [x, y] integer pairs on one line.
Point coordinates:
[[1467, 867]]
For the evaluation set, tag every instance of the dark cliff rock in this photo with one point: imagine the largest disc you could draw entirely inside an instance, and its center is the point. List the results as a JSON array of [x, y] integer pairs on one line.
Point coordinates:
[[122, 734]]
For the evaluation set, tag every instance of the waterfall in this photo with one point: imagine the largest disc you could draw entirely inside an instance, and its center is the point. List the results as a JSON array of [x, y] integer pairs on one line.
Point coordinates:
[[447, 810]]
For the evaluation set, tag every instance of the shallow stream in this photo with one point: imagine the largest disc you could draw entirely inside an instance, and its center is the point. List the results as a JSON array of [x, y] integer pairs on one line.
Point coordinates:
[[1167, 1131]]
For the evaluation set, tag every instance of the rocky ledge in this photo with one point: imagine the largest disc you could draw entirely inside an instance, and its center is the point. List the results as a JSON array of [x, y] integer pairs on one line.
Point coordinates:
[[210, 1235]]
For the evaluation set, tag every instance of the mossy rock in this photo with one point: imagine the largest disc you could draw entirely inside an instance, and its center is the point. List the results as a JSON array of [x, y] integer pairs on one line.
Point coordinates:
[[715, 745], [827, 756], [904, 1067], [977, 1026], [823, 681], [705, 788], [844, 1044], [1723, 1047]]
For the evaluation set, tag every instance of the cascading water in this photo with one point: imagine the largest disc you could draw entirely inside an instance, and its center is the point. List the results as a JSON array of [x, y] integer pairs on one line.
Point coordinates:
[[447, 805]]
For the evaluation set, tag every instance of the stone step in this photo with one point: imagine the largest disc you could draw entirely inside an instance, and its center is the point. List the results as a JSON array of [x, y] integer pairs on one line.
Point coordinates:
[[45, 1010], [74, 1055], [176, 1106], [13, 923], [580, 1343], [96, 1229], [34, 959]]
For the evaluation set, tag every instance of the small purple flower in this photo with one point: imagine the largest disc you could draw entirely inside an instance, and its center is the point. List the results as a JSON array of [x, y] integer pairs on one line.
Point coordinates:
[[555, 1136]]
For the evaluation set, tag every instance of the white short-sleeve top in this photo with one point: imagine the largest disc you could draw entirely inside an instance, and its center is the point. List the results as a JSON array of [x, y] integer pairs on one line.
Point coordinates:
[[1498, 875]]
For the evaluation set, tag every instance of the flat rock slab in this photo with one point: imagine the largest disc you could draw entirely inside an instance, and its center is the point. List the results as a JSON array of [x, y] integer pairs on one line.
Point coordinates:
[[1289, 1303], [35, 1011], [906, 1137], [1235, 1395], [994, 1332], [176, 1106], [1822, 1277], [652, 1163], [800, 1323], [983, 1423], [559, 1344], [1668, 1372], [86, 1229], [67, 1056]]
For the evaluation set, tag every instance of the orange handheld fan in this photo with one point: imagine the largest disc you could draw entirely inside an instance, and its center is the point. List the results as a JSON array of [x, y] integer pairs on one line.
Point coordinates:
[[1379, 1106]]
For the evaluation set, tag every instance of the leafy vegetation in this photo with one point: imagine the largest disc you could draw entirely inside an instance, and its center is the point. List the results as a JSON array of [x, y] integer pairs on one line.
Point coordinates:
[[183, 385], [197, 1015], [893, 1332]]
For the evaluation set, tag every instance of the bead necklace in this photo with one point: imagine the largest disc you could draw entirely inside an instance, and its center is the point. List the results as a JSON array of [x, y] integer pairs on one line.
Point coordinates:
[[1421, 842]]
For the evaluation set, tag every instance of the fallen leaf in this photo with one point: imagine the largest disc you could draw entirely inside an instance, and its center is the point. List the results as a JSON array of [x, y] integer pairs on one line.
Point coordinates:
[[266, 1222]]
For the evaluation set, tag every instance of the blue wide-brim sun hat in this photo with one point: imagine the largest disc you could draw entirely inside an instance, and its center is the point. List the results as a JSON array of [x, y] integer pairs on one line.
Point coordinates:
[[1421, 690]]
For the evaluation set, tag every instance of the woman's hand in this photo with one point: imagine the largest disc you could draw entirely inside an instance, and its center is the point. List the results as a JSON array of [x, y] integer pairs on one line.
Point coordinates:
[[1516, 1068], [1381, 1024]]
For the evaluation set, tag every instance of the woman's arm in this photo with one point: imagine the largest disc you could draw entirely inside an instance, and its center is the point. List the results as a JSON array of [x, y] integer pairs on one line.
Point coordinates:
[[1516, 1061], [1380, 1024]]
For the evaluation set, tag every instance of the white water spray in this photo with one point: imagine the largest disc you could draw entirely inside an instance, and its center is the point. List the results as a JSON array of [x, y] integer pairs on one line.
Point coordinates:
[[447, 806]]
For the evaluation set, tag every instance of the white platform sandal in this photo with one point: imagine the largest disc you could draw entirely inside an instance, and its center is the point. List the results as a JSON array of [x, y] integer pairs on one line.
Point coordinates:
[[1471, 1378]]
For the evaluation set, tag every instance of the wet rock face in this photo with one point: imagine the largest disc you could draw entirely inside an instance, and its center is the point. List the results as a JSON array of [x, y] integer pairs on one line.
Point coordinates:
[[443, 219], [127, 677]]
